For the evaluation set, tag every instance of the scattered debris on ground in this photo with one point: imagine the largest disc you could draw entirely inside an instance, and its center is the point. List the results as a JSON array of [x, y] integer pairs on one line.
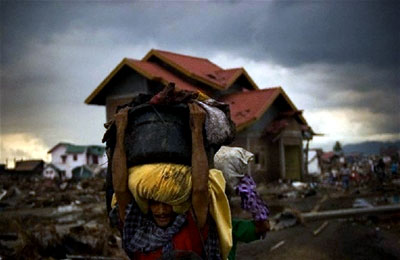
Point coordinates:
[[45, 221], [48, 220]]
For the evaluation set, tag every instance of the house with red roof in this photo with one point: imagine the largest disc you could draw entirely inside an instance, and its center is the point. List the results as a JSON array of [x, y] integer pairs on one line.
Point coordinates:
[[268, 123]]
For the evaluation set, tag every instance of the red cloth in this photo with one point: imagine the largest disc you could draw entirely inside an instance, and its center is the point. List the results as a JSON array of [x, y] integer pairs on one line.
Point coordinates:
[[187, 239]]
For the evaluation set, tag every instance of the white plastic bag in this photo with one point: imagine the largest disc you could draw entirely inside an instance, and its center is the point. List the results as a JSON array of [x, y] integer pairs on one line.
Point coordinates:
[[233, 162]]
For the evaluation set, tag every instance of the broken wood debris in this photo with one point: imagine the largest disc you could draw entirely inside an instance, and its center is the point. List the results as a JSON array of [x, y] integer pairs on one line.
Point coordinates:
[[319, 203], [276, 246], [345, 213], [318, 230]]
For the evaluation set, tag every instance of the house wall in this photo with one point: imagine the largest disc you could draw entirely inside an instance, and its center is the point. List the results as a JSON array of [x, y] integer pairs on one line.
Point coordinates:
[[123, 86], [56, 155], [233, 89], [101, 160], [269, 164], [264, 166], [70, 163], [291, 148]]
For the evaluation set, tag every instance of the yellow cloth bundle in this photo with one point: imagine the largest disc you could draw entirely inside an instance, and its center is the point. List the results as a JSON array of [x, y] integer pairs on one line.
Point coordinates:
[[220, 211], [172, 184], [163, 182]]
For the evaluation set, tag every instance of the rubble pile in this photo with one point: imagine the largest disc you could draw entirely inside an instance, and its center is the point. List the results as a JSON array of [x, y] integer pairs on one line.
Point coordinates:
[[287, 190], [44, 220]]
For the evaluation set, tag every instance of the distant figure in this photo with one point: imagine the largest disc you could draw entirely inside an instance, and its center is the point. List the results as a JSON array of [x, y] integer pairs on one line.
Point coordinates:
[[394, 168], [345, 176], [380, 170], [333, 177]]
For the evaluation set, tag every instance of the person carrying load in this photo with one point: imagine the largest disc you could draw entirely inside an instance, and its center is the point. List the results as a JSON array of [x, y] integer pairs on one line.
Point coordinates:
[[234, 163], [170, 210]]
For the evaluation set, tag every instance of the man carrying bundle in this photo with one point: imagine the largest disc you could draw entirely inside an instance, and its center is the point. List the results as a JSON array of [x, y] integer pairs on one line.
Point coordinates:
[[168, 210]]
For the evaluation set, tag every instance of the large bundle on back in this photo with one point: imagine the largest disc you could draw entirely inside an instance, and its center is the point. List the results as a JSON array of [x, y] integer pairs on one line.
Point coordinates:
[[158, 133]]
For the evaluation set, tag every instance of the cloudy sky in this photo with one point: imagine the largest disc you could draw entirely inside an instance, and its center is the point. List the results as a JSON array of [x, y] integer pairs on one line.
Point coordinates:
[[337, 60]]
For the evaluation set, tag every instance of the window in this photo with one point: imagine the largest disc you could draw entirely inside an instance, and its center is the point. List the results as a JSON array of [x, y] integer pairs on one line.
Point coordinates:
[[260, 158], [75, 157], [63, 158], [95, 159]]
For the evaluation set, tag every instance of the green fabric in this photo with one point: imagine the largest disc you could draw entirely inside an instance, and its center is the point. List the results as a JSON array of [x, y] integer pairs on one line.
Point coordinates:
[[242, 231]]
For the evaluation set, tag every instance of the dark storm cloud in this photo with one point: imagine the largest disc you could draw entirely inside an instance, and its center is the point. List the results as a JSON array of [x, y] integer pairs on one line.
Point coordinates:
[[52, 53], [289, 33], [359, 89], [333, 32]]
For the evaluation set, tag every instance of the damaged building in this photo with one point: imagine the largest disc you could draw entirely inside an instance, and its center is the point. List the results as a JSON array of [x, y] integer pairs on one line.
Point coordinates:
[[75, 161], [268, 123]]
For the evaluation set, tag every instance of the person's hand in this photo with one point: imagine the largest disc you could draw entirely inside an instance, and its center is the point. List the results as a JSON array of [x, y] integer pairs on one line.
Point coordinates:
[[121, 119], [197, 117], [262, 227]]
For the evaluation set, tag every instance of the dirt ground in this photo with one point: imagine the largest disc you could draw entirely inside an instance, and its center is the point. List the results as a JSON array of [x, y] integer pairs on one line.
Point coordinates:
[[341, 239], [38, 220], [373, 236]]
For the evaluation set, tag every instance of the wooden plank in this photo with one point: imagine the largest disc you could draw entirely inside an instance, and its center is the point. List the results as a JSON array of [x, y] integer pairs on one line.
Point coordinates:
[[318, 230], [345, 213]]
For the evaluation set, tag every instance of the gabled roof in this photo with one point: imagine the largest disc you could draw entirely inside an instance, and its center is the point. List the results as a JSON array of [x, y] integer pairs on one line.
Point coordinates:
[[248, 106], [58, 145], [149, 70], [200, 69], [153, 71], [72, 148], [194, 68], [96, 150], [28, 165]]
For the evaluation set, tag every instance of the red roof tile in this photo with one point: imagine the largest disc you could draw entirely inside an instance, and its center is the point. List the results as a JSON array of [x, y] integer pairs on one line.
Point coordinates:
[[198, 68], [248, 106], [225, 76], [156, 71]]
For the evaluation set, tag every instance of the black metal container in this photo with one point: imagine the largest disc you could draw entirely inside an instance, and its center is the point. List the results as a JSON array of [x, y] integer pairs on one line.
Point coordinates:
[[157, 133]]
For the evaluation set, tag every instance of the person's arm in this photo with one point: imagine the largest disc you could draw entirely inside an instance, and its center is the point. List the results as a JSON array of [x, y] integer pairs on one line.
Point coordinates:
[[261, 228], [119, 165], [200, 196]]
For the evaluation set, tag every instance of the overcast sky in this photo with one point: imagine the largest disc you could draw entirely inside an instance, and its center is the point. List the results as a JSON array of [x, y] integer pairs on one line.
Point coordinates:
[[337, 60]]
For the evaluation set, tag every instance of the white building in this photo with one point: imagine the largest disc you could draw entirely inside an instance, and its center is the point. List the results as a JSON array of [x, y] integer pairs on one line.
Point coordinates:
[[68, 158]]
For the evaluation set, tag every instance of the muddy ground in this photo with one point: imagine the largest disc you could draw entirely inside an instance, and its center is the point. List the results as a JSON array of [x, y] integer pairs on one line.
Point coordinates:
[[373, 236], [38, 220]]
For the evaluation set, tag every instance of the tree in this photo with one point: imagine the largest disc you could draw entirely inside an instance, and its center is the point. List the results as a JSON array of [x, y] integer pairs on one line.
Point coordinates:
[[337, 148]]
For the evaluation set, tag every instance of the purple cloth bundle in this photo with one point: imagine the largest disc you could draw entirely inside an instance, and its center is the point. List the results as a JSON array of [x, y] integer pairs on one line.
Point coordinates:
[[251, 201]]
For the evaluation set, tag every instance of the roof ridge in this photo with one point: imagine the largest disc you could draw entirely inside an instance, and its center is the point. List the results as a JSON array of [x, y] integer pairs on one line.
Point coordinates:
[[188, 56], [130, 59], [256, 90], [270, 88], [238, 68], [183, 55]]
